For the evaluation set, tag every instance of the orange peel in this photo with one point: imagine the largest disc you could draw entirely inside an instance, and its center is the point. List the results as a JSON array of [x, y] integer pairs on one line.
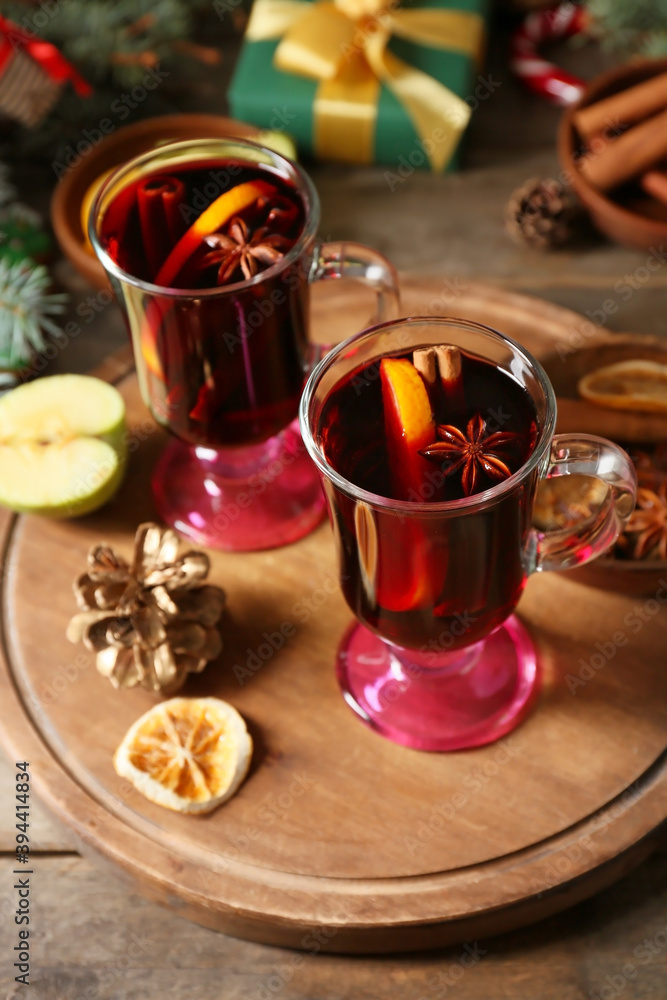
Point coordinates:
[[409, 425], [408, 577], [220, 211]]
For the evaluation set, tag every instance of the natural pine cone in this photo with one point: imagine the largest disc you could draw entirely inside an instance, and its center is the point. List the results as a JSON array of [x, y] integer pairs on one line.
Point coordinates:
[[542, 213], [150, 623]]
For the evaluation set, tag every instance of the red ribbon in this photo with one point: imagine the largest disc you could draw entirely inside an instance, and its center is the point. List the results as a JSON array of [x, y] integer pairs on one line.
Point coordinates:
[[44, 53]]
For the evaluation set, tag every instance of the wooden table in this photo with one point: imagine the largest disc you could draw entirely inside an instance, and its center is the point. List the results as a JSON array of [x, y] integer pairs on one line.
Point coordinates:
[[89, 936]]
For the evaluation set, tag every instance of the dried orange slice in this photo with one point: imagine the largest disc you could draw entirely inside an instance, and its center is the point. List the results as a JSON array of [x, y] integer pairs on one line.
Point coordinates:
[[628, 385], [409, 425], [188, 754]]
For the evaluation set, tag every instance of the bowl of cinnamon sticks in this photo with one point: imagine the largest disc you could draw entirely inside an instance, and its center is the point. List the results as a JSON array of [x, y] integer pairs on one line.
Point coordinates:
[[612, 146]]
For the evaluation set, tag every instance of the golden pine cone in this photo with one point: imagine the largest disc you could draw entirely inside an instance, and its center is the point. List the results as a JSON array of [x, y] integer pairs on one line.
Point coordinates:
[[150, 623]]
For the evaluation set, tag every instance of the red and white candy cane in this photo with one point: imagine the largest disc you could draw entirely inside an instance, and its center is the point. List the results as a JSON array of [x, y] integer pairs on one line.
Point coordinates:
[[542, 77]]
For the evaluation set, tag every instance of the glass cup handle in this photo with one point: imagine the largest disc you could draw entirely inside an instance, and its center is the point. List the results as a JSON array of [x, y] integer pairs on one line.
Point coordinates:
[[354, 260], [583, 502]]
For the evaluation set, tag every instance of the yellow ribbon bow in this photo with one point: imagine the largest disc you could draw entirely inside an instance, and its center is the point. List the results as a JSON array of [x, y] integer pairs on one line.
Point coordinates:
[[343, 45]]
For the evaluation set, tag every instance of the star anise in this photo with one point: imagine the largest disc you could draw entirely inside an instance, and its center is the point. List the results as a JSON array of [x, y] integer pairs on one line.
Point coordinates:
[[647, 528], [475, 452], [240, 249]]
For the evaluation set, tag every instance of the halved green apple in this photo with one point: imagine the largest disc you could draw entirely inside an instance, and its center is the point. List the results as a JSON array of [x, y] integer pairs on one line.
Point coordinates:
[[62, 445]]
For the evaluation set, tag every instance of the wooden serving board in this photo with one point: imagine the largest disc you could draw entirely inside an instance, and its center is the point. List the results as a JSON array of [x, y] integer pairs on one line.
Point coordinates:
[[340, 840]]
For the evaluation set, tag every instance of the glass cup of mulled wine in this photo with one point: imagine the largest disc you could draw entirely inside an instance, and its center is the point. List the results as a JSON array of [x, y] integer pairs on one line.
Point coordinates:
[[211, 246], [433, 438]]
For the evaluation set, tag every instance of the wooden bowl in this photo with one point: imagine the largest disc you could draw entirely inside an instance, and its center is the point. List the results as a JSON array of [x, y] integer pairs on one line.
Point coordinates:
[[626, 427], [116, 148], [627, 214]]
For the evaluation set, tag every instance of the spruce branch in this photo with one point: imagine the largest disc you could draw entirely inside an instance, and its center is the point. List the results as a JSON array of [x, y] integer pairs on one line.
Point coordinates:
[[106, 39], [26, 308], [630, 27]]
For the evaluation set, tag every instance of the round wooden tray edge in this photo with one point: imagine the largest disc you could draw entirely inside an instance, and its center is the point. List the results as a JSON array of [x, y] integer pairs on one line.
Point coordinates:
[[584, 871], [505, 302], [417, 935]]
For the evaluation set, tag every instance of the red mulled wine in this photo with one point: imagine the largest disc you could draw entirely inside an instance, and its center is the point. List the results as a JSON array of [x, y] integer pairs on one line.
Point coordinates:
[[219, 369], [431, 580]]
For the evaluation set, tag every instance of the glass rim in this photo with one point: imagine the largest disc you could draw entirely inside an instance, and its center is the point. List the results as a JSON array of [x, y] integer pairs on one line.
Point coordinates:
[[306, 186], [482, 499]]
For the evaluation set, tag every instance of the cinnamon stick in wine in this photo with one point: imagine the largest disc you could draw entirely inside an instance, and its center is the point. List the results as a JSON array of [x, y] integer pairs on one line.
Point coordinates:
[[449, 366], [632, 154], [159, 200], [627, 108], [425, 362], [443, 364]]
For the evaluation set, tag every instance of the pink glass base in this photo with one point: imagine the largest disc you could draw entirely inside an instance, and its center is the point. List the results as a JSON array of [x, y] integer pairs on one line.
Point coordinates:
[[240, 499], [465, 699]]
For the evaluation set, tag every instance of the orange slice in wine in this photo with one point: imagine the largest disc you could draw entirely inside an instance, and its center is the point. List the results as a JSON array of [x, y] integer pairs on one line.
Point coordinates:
[[411, 569], [410, 573], [220, 211], [409, 426]]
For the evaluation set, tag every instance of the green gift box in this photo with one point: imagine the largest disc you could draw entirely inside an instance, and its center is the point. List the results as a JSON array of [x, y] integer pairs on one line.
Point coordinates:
[[393, 84]]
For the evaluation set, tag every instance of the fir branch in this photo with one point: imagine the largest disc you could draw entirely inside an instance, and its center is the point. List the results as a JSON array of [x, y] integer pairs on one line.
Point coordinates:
[[631, 27], [102, 37], [26, 308]]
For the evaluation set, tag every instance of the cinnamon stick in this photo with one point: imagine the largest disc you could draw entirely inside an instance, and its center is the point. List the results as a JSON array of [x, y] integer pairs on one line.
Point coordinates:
[[449, 365], [654, 183], [441, 363], [425, 362], [632, 154], [158, 199], [627, 108]]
